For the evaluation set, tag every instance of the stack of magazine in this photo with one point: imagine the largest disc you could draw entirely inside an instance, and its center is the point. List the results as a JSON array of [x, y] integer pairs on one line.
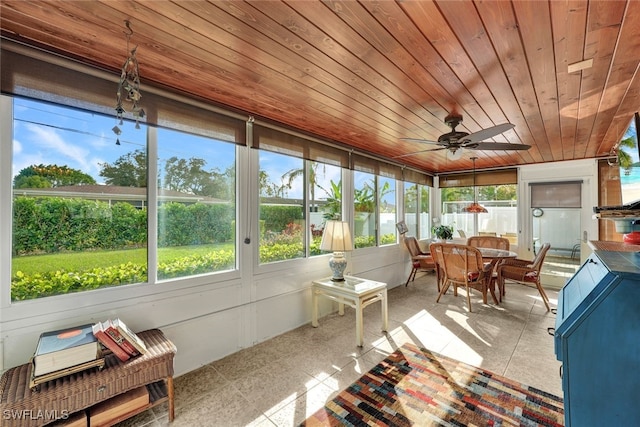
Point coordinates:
[[66, 351]]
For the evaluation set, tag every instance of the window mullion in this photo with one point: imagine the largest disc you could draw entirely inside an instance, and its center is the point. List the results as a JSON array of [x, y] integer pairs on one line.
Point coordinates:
[[152, 204], [6, 138]]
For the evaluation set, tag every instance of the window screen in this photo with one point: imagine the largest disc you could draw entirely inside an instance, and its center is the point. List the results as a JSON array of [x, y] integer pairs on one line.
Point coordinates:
[[556, 194]]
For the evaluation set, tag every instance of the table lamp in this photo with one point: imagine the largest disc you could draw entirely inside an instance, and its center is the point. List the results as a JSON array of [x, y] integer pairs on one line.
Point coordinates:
[[336, 237]]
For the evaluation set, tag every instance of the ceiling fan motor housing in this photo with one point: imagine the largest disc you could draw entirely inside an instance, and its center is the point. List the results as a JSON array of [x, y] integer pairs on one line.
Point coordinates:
[[452, 137], [452, 120]]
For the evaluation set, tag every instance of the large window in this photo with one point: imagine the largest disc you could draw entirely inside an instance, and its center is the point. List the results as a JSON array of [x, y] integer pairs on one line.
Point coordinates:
[[416, 210], [79, 201], [424, 212], [387, 210], [629, 161], [325, 199], [500, 202], [282, 221], [417, 203], [411, 208], [196, 204], [364, 206], [496, 190]]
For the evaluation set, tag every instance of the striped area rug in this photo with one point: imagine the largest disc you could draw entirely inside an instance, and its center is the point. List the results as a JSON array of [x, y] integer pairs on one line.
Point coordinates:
[[416, 387]]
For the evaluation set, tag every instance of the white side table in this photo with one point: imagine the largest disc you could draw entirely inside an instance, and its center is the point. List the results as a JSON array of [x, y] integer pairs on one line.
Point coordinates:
[[354, 292]]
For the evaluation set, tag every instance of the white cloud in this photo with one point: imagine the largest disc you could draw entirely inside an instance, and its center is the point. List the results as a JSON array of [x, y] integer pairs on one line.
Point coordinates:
[[49, 139], [17, 147]]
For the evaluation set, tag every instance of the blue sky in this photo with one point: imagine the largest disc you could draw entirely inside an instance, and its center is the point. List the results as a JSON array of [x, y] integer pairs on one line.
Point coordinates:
[[49, 134]]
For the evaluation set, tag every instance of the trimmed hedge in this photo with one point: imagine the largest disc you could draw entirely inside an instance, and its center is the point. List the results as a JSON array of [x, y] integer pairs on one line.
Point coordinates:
[[52, 224], [197, 224]]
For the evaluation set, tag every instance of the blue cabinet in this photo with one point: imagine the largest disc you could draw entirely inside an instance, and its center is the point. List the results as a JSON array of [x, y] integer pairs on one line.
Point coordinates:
[[597, 339]]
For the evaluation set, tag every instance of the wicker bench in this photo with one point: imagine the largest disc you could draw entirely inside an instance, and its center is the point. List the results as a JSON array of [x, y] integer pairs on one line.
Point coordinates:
[[21, 406]]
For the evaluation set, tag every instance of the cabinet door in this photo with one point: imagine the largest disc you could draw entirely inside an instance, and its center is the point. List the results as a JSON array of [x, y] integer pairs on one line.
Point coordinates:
[[581, 285], [601, 353], [578, 293]]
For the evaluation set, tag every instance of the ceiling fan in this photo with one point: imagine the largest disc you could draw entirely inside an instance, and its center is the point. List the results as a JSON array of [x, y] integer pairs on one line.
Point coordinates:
[[455, 141]]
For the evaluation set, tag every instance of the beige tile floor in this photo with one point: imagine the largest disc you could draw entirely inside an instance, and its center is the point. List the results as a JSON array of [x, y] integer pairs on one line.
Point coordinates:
[[282, 381]]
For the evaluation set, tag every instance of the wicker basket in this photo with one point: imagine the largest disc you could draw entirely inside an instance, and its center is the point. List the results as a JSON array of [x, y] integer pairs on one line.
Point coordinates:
[[21, 406]]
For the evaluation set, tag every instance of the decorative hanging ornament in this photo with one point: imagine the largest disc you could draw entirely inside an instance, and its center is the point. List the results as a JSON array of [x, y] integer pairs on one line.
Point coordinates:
[[128, 87]]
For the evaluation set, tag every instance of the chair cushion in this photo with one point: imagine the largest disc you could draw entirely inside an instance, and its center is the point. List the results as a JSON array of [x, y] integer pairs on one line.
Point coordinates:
[[424, 261], [473, 275], [531, 276]]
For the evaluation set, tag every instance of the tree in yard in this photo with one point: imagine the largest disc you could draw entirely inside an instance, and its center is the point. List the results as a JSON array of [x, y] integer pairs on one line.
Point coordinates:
[[268, 188], [189, 176], [47, 176], [333, 206], [186, 176], [293, 174], [129, 170]]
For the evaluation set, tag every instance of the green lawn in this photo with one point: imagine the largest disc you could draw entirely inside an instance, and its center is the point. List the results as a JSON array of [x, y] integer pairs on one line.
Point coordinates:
[[80, 261]]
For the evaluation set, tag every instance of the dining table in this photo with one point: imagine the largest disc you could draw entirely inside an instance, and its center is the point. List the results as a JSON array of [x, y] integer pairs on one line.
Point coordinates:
[[494, 256]]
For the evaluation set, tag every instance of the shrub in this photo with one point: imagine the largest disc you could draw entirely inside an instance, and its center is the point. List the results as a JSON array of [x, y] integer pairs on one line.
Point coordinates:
[[52, 224], [58, 282], [277, 218], [38, 285], [281, 252]]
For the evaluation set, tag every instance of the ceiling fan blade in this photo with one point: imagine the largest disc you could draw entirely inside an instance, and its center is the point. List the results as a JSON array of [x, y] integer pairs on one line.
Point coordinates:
[[487, 133], [499, 146], [418, 152], [422, 141]]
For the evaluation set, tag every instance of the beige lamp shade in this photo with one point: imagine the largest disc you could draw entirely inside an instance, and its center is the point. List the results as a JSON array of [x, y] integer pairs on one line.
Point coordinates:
[[336, 237]]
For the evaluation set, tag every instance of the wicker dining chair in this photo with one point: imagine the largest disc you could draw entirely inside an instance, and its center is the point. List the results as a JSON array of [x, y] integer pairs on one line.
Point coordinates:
[[419, 258], [461, 265], [525, 272], [489, 242]]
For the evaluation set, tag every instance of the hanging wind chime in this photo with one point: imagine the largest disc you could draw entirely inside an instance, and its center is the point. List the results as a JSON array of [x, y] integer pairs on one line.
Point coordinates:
[[128, 88]]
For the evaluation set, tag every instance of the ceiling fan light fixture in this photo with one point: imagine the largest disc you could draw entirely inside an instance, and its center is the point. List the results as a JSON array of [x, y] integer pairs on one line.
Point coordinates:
[[454, 154]]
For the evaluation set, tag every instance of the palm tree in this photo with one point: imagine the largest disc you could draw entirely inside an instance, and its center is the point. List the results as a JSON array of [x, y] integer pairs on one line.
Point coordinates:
[[624, 159], [293, 174], [334, 200]]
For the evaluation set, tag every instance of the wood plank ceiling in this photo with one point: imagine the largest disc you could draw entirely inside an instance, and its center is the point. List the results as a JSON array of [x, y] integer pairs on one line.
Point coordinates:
[[365, 74]]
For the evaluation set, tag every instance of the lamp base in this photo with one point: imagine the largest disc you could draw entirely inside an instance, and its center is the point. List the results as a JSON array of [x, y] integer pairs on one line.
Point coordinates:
[[337, 264]]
